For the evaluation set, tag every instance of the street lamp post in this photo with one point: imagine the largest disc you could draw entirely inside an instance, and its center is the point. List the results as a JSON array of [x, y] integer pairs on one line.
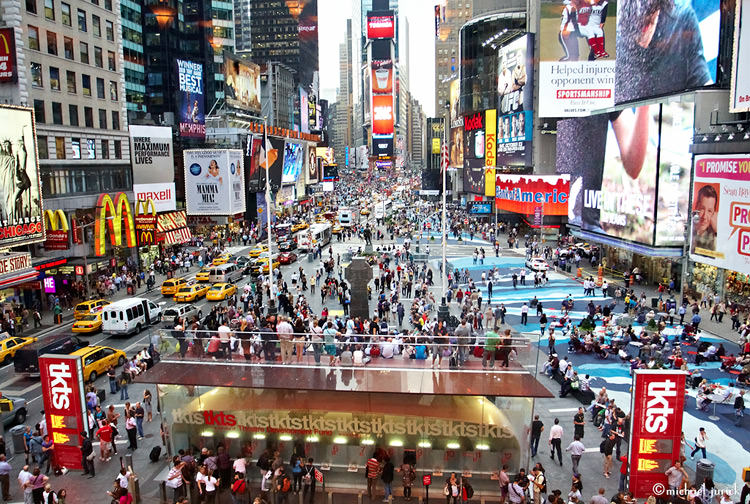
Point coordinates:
[[271, 300]]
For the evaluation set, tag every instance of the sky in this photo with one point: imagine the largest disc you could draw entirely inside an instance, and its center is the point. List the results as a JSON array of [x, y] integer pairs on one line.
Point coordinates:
[[332, 16]]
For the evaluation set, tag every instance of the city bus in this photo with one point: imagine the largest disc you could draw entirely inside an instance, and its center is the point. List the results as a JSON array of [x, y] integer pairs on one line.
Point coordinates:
[[283, 231], [318, 234]]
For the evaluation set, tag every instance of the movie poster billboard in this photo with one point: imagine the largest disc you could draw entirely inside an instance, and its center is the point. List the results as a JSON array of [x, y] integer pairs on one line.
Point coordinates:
[[214, 182], [293, 160], [21, 211], [191, 103], [739, 100], [577, 57], [662, 53], [523, 193], [515, 102], [241, 83], [720, 234]]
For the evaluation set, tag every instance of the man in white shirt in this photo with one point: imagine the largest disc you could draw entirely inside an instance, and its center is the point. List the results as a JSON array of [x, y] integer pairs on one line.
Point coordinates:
[[576, 449], [285, 332], [555, 440], [563, 365], [23, 477], [224, 332], [240, 466], [387, 349]]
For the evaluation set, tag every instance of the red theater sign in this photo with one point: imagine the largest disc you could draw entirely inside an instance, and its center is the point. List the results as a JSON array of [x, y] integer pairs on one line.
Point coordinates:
[[658, 399], [64, 403]]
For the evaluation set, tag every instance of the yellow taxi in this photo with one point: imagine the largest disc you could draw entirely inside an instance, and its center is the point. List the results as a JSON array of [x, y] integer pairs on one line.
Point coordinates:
[[189, 293], [171, 286], [337, 229], [257, 250], [300, 227], [97, 359], [364, 211], [9, 345], [222, 259], [202, 275], [221, 291], [88, 307], [88, 324], [261, 264]]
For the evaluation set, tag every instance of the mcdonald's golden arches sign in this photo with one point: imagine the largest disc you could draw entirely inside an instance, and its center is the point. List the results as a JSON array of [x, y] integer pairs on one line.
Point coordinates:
[[145, 222]]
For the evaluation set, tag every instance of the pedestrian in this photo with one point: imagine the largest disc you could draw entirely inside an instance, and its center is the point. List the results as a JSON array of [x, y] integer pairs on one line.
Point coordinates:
[[240, 494], [5, 469], [579, 421], [739, 408], [675, 476], [387, 477], [139, 414], [524, 314], [623, 473], [36, 482], [606, 448], [599, 498], [555, 441], [576, 449], [536, 432], [112, 376], [540, 484], [372, 469], [308, 482], [124, 385], [175, 480], [105, 440], [407, 478], [131, 429], [700, 443], [207, 485]]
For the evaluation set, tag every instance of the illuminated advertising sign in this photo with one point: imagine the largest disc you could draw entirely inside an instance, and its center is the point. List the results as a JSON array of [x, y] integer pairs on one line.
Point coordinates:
[[657, 404], [382, 77], [162, 194], [191, 99], [21, 220], [8, 71], [454, 94], [382, 115], [474, 143], [57, 230], [739, 100], [479, 207], [474, 176], [720, 234], [523, 193], [294, 158], [241, 83], [515, 102], [62, 392], [14, 263], [330, 172], [490, 137], [382, 147], [311, 166], [312, 113], [112, 215], [145, 222], [304, 113], [381, 25], [214, 182]]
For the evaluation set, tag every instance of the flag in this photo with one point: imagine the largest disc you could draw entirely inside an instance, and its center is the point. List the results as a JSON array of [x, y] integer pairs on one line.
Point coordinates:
[[268, 155], [318, 476], [444, 160]]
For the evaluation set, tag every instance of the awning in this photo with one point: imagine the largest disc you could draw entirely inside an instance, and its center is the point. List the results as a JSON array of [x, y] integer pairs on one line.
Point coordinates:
[[172, 228], [18, 277]]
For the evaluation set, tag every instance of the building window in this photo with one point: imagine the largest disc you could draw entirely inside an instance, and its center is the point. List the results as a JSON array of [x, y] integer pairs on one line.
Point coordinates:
[[111, 61], [96, 25], [98, 61], [100, 88], [82, 20], [57, 113], [66, 14], [49, 9], [84, 52], [33, 37], [113, 91], [54, 78], [31, 6], [108, 4], [110, 27], [36, 75], [102, 119], [60, 147], [73, 113], [75, 145], [86, 84], [118, 149], [88, 116], [105, 149], [91, 145], [52, 42], [116, 123], [68, 46], [42, 147], [70, 77], [39, 111]]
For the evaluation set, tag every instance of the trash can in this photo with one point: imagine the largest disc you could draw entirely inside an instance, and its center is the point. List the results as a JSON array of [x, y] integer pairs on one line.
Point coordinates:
[[703, 469], [655, 304], [17, 435]]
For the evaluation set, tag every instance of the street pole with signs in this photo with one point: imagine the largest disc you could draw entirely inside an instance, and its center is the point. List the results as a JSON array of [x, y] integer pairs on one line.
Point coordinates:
[[443, 310], [272, 299]]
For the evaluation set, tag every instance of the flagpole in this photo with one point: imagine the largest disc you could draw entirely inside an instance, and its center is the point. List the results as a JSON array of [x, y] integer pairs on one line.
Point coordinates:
[[272, 300], [444, 167]]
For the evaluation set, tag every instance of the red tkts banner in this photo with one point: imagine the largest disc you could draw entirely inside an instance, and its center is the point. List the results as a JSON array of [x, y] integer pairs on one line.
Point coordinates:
[[523, 193], [658, 399], [64, 403], [382, 114]]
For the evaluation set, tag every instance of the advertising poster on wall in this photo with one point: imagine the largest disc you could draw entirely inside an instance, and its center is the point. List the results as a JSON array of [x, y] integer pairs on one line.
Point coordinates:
[[256, 175], [577, 56], [381, 25], [191, 99], [660, 53], [515, 102], [523, 193], [382, 76], [739, 100], [277, 166], [474, 176], [720, 234], [382, 115], [151, 154], [214, 183], [21, 211], [293, 160], [304, 111], [8, 70], [311, 166], [241, 83]]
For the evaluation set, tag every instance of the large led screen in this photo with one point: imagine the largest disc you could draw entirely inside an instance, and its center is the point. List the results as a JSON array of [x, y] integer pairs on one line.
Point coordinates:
[[293, 160], [515, 102], [242, 83]]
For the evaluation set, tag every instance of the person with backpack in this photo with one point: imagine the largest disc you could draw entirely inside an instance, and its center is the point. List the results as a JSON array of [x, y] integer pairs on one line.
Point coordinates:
[[539, 484], [240, 494], [297, 466], [308, 481], [283, 485], [387, 477], [451, 489]]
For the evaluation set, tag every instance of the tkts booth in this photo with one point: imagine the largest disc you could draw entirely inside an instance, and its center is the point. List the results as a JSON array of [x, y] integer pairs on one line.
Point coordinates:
[[443, 421]]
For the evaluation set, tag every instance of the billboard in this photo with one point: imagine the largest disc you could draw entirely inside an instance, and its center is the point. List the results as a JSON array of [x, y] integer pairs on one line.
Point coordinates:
[[21, 211], [366, 94], [152, 154], [191, 100], [162, 194], [241, 83], [255, 174], [312, 113], [172, 228], [523, 193], [479, 207], [214, 182], [64, 403], [474, 176], [381, 25], [382, 147], [145, 222], [456, 156], [490, 137], [382, 76], [739, 100], [8, 70], [668, 52], [454, 93], [577, 57], [277, 166], [474, 136], [294, 157], [304, 113], [656, 407], [382, 115], [330, 172], [720, 234], [311, 166], [515, 102]]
